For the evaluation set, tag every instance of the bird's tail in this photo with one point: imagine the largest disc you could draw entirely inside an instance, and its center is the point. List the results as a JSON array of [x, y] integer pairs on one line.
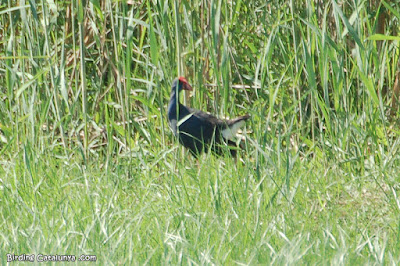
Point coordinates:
[[237, 120], [233, 126]]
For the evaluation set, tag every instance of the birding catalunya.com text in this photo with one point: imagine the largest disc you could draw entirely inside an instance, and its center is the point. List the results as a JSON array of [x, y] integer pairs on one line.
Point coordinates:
[[49, 258]]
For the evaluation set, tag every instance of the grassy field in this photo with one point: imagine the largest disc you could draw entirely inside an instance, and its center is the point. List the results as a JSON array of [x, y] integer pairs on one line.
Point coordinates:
[[90, 167]]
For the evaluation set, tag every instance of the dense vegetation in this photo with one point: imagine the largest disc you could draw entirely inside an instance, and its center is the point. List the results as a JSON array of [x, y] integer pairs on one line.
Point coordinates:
[[89, 165]]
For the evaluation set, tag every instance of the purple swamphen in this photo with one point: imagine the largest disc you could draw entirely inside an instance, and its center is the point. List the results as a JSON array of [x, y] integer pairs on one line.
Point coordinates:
[[197, 130]]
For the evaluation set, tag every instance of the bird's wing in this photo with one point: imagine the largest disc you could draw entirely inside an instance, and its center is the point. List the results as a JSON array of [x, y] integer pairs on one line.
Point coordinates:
[[207, 123], [207, 117], [196, 123]]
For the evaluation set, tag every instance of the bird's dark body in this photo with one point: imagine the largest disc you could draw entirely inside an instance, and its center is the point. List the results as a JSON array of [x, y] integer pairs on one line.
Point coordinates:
[[197, 130]]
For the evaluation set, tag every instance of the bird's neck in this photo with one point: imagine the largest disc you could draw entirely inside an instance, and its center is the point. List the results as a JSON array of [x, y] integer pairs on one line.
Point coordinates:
[[174, 104], [174, 99]]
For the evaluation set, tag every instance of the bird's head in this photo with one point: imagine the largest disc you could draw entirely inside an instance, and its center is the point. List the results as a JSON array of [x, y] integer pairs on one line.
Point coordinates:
[[182, 84]]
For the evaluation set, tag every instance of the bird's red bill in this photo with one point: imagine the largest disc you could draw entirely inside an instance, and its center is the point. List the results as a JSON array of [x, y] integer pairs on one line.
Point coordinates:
[[185, 84]]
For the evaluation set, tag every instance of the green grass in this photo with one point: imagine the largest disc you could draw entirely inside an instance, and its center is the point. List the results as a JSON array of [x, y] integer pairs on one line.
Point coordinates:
[[318, 182]]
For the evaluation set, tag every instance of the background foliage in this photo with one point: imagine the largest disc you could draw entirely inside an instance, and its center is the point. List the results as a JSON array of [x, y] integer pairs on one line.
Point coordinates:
[[89, 165]]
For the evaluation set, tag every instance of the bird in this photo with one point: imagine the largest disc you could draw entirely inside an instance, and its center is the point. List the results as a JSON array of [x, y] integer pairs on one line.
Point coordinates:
[[197, 130]]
